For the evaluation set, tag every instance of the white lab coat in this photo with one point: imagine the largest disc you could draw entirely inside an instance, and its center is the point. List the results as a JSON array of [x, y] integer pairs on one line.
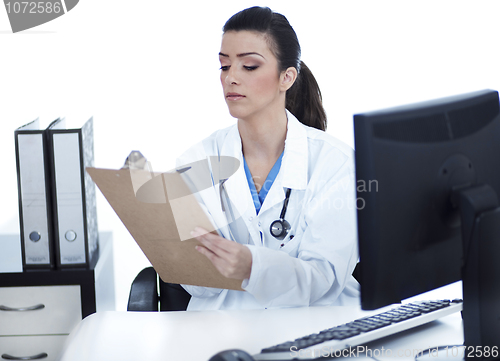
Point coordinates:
[[315, 267]]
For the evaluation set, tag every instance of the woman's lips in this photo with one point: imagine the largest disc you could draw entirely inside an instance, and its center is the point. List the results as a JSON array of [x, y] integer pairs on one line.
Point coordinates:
[[234, 96]]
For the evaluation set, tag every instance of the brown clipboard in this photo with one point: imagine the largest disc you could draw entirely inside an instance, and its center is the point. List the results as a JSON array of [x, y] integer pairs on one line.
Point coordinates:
[[141, 201]]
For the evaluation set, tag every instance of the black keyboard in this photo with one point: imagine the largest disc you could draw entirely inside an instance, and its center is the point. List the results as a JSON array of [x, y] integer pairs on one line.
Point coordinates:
[[360, 331]]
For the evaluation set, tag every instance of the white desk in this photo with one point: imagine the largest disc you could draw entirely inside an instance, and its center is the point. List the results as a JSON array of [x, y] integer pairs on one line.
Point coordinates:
[[127, 336]]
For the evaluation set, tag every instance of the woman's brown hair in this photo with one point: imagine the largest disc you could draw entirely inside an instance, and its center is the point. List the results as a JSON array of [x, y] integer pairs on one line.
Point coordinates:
[[303, 99]]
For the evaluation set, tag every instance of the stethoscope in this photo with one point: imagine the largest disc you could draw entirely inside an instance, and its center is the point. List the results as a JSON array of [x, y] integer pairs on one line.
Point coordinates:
[[278, 229]]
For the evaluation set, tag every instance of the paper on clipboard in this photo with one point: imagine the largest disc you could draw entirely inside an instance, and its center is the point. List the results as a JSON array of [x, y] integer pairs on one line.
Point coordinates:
[[160, 210]]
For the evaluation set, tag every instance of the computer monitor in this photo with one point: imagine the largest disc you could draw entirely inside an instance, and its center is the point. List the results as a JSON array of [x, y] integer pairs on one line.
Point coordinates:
[[428, 184]]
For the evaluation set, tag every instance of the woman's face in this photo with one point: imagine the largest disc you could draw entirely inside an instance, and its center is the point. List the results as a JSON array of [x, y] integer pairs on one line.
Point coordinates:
[[249, 75]]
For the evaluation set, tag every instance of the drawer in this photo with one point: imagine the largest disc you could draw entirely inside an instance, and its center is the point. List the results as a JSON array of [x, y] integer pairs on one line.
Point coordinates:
[[25, 346], [60, 313]]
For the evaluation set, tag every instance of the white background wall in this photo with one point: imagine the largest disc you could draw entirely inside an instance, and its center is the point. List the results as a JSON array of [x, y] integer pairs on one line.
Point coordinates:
[[148, 72]]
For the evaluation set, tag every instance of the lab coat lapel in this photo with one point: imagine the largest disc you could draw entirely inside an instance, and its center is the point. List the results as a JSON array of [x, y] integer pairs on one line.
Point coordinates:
[[275, 196], [294, 166], [236, 185], [293, 170]]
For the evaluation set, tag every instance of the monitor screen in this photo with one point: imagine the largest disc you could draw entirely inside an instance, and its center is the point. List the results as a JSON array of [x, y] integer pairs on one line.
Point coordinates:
[[409, 160]]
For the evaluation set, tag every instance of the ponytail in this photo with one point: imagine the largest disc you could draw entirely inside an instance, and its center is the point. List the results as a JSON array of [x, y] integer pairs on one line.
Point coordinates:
[[304, 100]]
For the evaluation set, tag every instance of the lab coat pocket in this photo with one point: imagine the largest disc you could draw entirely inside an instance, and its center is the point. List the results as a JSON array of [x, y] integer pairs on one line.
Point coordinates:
[[290, 245]]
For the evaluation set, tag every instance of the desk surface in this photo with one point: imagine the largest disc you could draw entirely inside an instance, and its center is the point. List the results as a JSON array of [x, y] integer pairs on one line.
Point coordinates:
[[124, 336]]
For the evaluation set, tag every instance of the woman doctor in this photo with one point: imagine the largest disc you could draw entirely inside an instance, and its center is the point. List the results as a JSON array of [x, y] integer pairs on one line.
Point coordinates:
[[291, 203]]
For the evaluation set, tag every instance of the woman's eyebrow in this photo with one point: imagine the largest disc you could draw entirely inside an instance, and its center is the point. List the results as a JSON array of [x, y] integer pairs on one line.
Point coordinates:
[[242, 54]]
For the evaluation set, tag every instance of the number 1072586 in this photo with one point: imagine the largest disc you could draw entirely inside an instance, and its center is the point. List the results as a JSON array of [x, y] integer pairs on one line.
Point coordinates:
[[32, 7]]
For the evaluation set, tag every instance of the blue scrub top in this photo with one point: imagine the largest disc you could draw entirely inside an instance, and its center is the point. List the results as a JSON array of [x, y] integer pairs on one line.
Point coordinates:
[[258, 197]]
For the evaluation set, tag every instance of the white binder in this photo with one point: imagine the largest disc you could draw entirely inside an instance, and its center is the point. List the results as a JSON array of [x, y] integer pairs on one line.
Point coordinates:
[[35, 213], [74, 203]]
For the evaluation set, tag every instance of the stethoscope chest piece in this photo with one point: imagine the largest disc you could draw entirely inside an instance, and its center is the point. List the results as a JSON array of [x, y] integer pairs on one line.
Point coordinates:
[[279, 229]]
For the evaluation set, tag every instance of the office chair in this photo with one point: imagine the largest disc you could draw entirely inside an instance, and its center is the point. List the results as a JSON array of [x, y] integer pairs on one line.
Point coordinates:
[[144, 295]]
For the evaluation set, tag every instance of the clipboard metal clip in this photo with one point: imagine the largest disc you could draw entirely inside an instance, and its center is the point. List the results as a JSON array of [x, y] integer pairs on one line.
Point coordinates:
[[182, 170]]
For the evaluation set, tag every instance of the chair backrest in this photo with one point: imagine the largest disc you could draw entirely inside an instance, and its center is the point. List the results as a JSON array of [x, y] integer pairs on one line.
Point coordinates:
[[143, 291], [173, 297], [144, 294], [357, 272]]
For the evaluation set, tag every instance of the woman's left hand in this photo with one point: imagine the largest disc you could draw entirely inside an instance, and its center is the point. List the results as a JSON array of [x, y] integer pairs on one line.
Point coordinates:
[[232, 260]]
